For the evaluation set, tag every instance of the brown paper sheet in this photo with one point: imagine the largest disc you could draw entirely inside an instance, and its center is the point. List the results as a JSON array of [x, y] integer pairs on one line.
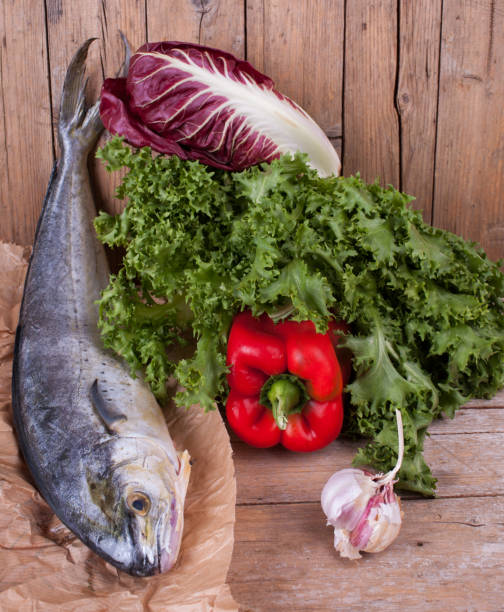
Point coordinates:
[[43, 566]]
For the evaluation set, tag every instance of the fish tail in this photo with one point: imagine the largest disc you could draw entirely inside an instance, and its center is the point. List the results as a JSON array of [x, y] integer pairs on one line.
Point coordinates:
[[77, 123], [123, 70]]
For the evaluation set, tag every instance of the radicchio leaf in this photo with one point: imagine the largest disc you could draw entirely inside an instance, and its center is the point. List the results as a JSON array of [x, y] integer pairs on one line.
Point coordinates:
[[205, 104]]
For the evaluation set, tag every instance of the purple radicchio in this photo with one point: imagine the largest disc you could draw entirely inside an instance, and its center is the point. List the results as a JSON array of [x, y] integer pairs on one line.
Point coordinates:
[[205, 104]]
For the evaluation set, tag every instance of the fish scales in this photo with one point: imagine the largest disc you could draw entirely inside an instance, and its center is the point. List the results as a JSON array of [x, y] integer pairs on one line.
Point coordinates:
[[94, 438]]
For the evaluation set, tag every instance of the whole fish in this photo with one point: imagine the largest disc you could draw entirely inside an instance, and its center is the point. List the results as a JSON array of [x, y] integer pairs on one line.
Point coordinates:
[[94, 438]]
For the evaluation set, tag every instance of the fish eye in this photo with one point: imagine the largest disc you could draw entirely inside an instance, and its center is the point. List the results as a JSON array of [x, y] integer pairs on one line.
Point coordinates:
[[139, 503]]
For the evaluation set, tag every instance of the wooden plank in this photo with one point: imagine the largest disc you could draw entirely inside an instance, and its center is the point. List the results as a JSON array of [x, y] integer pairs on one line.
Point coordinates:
[[417, 96], [470, 151], [26, 154], [464, 463], [337, 143], [300, 46], [69, 25], [371, 126], [471, 421], [449, 555], [495, 402], [213, 23]]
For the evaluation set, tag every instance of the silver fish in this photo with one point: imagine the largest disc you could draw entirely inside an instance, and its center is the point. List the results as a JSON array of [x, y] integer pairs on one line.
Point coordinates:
[[94, 438]]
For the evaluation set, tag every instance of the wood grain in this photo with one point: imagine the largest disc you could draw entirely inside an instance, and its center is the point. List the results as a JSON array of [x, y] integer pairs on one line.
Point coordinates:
[[215, 23], [25, 119], [300, 46], [495, 402], [448, 556], [417, 98], [371, 126], [469, 177]]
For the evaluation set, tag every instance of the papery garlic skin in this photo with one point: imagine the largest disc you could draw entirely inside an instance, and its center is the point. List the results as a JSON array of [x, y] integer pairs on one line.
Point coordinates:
[[363, 508], [345, 497], [343, 546], [370, 523]]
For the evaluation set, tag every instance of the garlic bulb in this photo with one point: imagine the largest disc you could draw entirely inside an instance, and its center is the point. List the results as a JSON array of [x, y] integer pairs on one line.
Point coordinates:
[[363, 508]]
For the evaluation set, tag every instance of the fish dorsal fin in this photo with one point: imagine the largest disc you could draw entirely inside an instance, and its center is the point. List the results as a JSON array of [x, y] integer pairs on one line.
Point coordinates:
[[105, 409]]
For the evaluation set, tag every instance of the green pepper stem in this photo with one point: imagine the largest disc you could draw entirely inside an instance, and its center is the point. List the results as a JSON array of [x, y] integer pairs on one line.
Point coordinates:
[[284, 395]]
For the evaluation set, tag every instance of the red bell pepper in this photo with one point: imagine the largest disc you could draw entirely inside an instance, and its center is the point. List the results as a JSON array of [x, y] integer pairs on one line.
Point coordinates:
[[286, 383]]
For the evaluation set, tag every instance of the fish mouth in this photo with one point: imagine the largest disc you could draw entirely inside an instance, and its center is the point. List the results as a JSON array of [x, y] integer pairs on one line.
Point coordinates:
[[159, 556], [165, 561], [168, 548], [143, 571], [167, 557]]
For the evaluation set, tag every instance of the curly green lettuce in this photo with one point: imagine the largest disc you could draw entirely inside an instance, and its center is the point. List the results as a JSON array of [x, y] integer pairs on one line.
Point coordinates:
[[425, 306]]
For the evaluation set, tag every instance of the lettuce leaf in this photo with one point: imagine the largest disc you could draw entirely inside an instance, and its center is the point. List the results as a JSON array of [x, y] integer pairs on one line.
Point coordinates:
[[425, 306]]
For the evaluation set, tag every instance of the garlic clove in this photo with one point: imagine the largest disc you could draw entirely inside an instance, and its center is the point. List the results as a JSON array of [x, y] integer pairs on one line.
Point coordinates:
[[378, 528], [386, 520]]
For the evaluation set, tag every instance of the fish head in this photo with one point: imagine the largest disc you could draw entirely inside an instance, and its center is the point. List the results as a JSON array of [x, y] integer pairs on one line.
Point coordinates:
[[145, 505], [154, 518]]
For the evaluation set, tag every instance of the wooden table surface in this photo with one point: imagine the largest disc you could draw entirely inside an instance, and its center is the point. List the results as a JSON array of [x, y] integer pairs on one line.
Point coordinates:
[[410, 92], [449, 554]]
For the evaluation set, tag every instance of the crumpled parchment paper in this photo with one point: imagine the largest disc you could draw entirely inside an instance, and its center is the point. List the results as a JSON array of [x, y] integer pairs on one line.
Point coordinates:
[[43, 566]]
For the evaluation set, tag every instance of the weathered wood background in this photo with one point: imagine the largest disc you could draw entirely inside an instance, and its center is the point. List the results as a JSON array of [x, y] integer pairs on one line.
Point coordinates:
[[410, 91]]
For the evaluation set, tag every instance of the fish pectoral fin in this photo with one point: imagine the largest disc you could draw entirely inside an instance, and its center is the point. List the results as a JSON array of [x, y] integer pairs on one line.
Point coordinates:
[[105, 408]]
